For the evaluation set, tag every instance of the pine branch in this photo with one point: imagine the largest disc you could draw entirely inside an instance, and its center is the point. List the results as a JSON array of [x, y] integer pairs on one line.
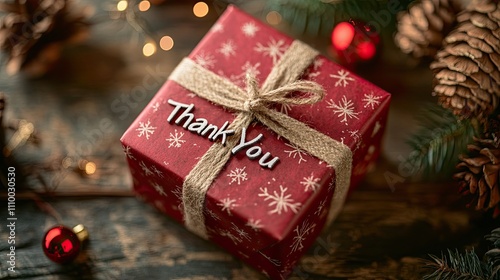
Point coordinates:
[[439, 141], [468, 265], [458, 266], [318, 17]]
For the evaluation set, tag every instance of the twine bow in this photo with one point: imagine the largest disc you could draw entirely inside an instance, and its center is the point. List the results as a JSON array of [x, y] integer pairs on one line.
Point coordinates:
[[280, 87], [256, 99]]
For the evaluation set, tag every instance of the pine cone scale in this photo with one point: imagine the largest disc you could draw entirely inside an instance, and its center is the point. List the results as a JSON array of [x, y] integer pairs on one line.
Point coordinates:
[[482, 195], [483, 34], [435, 23], [445, 90], [449, 75], [495, 15], [475, 163], [457, 103], [483, 6], [495, 58], [484, 21], [491, 173], [471, 41], [485, 81], [491, 39], [496, 33], [412, 32], [416, 15], [9, 7], [493, 155], [485, 97], [463, 49], [494, 197], [460, 64]]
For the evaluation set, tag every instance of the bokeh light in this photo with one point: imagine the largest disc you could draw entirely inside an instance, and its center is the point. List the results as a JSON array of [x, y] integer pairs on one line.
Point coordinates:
[[90, 168], [366, 50], [273, 18], [149, 49], [166, 43], [343, 35], [200, 9], [122, 5], [144, 5]]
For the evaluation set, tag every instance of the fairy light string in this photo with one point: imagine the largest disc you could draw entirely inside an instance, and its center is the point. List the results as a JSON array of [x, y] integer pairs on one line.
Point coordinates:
[[132, 11]]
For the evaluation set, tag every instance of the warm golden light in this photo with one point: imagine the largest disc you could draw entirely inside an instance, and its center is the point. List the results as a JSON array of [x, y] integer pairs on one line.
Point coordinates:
[[90, 168], [144, 6], [273, 18], [166, 43], [122, 5], [149, 49], [200, 9]]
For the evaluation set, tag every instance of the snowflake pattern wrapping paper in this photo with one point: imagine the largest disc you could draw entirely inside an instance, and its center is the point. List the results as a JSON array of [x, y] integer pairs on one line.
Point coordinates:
[[266, 217]]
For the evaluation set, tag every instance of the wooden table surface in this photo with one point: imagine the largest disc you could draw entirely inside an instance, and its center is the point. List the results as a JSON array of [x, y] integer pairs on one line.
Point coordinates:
[[383, 232]]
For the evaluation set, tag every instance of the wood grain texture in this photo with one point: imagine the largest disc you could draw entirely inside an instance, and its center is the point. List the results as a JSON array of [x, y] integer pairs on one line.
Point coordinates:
[[382, 233]]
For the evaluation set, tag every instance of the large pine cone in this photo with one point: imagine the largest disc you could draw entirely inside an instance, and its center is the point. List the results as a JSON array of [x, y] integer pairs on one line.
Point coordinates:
[[33, 31], [421, 30], [479, 173], [467, 75]]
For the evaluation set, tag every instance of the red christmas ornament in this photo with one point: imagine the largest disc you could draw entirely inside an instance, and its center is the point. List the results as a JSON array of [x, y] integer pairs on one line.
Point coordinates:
[[62, 244], [354, 41]]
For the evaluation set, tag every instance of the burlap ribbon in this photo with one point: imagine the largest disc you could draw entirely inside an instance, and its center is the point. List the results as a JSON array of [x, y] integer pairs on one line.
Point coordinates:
[[252, 104]]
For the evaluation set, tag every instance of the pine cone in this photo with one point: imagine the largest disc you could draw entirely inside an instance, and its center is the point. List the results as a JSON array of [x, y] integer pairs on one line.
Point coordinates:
[[421, 30], [33, 31], [467, 76], [479, 173]]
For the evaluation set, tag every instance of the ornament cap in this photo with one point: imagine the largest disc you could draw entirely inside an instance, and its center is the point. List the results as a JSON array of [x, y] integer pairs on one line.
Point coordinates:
[[81, 232]]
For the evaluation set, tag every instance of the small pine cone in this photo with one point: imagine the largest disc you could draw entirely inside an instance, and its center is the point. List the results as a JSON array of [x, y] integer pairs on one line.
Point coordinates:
[[467, 75], [421, 30], [478, 173], [33, 31]]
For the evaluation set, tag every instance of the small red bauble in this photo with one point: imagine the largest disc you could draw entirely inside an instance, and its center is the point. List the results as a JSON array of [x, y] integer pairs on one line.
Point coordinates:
[[354, 41], [62, 244]]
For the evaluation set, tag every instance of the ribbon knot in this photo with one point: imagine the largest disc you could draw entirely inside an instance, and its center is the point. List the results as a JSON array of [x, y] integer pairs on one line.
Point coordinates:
[[252, 105], [299, 92]]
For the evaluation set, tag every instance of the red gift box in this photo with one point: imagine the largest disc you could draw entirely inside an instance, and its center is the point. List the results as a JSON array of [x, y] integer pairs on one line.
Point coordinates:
[[267, 215]]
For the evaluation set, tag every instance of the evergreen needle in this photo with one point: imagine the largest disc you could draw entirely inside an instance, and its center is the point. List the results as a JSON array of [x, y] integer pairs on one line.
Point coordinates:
[[454, 265], [438, 142]]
